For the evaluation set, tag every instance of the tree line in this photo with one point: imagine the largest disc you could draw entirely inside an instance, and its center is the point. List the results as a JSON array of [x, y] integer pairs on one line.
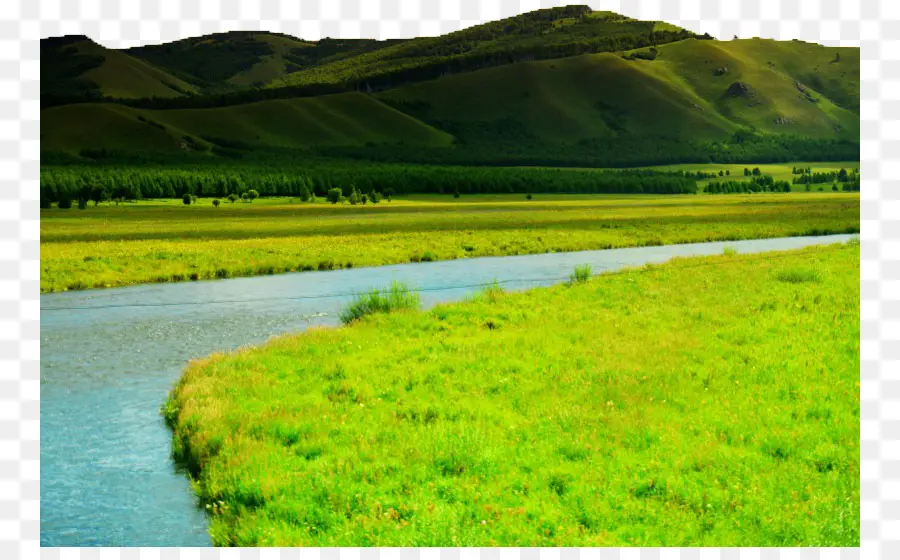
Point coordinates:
[[758, 183], [97, 183]]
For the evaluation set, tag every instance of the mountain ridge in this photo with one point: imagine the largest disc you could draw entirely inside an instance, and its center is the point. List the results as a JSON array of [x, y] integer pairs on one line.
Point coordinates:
[[548, 78]]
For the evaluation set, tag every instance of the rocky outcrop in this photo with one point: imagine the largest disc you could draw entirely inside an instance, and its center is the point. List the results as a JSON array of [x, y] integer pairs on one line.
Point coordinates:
[[740, 89]]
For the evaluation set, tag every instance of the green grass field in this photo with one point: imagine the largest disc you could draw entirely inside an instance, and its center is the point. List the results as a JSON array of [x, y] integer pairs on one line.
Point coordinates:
[[705, 402], [165, 241]]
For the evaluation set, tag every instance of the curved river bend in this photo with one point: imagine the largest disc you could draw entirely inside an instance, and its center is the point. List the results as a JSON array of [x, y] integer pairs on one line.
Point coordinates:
[[109, 358]]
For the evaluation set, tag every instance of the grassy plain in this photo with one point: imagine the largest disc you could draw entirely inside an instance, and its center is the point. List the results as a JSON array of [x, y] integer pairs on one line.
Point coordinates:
[[705, 402], [165, 241]]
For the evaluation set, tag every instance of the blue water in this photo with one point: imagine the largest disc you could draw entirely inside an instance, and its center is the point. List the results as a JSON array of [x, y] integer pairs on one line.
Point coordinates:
[[109, 358]]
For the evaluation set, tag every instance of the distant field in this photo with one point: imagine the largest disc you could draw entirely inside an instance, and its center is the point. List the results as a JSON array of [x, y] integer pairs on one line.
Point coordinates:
[[166, 241], [778, 171], [706, 402]]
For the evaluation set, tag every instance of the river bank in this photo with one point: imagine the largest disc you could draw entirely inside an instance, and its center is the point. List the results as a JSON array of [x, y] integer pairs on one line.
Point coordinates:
[[706, 402]]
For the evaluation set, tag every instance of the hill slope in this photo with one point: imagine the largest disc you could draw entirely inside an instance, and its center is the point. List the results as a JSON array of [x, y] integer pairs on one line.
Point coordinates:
[[680, 93], [348, 119], [241, 59], [77, 65], [538, 35], [528, 90]]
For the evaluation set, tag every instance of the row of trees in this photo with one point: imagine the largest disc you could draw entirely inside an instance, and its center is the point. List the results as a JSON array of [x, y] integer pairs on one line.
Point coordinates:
[[510, 144], [808, 177], [95, 182], [759, 183]]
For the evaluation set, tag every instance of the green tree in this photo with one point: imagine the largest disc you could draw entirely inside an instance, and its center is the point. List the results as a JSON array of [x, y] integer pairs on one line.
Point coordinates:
[[99, 194], [334, 195], [186, 199], [252, 195], [216, 202], [304, 193]]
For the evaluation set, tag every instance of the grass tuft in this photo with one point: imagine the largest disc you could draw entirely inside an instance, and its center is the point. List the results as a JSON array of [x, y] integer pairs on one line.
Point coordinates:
[[798, 275], [396, 298], [581, 274]]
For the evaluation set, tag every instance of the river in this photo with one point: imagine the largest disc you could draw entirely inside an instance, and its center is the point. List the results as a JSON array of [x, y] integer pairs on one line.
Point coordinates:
[[109, 358]]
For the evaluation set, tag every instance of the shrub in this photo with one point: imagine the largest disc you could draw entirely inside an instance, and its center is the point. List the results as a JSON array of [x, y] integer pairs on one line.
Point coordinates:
[[729, 251], [252, 195], [396, 298], [186, 199], [582, 273], [64, 202], [456, 193], [193, 199], [244, 196], [334, 195], [232, 197], [364, 198], [216, 202], [528, 196]]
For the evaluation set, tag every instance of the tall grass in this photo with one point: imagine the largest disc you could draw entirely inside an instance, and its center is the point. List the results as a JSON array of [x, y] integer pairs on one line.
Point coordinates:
[[581, 274], [395, 298]]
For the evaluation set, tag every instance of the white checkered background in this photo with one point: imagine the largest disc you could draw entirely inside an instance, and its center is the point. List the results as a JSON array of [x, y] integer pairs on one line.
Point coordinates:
[[873, 25]]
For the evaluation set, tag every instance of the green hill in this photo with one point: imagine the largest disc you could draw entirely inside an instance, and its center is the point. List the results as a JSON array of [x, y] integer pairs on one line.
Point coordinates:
[[560, 86], [75, 65], [688, 90], [347, 119], [241, 59], [538, 35]]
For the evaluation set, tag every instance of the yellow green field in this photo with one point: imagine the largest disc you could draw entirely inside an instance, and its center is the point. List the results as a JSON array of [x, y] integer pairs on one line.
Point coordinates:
[[165, 241], [706, 402]]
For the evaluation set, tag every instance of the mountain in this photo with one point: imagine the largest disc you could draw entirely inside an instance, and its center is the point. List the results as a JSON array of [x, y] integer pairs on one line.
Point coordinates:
[[561, 80]]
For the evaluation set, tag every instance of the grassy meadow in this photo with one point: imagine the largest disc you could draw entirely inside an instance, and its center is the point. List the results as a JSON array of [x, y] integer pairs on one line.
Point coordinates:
[[166, 241], [705, 402]]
